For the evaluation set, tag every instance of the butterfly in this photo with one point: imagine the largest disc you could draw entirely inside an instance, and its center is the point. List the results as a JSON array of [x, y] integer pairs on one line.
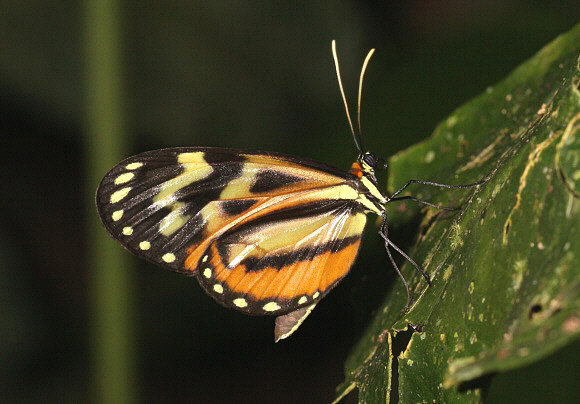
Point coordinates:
[[263, 233]]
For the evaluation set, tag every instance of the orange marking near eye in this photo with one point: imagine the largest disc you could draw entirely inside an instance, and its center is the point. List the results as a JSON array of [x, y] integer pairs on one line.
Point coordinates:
[[356, 169]]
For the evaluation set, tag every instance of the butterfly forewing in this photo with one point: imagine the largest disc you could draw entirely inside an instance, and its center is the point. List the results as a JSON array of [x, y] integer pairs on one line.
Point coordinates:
[[263, 233]]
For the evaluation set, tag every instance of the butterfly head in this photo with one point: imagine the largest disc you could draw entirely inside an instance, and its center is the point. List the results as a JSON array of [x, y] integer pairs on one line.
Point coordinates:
[[366, 164], [369, 162]]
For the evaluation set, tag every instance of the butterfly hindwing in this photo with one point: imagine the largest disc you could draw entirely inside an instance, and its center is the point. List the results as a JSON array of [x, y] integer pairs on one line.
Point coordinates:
[[273, 230], [286, 259]]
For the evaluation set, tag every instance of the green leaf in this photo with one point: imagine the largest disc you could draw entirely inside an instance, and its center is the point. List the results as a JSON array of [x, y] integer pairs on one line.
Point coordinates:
[[505, 267]]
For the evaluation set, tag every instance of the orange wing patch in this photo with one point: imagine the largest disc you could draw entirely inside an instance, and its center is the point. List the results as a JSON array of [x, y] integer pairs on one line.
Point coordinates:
[[300, 278]]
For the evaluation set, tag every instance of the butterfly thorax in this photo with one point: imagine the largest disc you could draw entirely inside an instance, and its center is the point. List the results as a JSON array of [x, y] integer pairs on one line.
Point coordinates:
[[369, 194]]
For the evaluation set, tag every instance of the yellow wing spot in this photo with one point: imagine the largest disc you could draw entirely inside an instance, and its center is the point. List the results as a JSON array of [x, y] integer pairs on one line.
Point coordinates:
[[127, 231], [218, 288], [144, 245], [191, 157], [272, 306], [195, 168], [169, 257], [240, 302], [302, 300], [204, 259], [120, 194], [315, 295], [123, 178], [118, 214], [207, 273], [238, 186], [134, 166], [174, 220]]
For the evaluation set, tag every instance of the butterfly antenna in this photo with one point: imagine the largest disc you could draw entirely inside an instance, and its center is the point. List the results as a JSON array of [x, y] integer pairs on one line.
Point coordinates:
[[360, 83], [357, 139]]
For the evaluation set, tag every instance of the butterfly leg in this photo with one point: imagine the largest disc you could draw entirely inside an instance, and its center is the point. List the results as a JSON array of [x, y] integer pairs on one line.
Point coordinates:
[[401, 198], [383, 232], [435, 184]]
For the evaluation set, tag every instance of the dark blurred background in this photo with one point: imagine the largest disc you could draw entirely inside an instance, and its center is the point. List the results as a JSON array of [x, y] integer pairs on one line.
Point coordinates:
[[256, 75]]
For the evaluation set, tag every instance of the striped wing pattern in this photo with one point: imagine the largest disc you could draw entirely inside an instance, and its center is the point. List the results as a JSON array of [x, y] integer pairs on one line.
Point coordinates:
[[263, 233]]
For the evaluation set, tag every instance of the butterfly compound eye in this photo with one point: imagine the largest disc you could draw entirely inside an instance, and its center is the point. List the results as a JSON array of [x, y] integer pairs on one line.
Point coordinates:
[[369, 159]]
